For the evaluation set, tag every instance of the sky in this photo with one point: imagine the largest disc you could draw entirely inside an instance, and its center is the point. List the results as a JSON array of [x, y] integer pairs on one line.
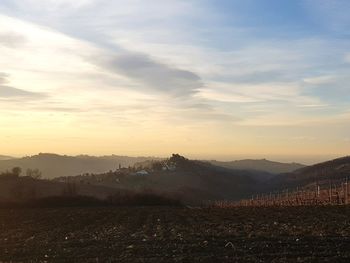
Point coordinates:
[[214, 79]]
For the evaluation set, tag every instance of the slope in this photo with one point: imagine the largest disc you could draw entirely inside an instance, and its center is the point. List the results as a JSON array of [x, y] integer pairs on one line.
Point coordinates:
[[54, 165], [260, 165]]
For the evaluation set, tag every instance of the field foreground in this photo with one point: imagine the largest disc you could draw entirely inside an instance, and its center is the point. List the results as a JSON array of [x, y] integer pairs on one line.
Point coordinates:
[[158, 234]]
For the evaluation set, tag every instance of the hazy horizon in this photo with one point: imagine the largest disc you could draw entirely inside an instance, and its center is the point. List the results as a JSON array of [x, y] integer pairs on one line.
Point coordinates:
[[208, 79], [307, 160]]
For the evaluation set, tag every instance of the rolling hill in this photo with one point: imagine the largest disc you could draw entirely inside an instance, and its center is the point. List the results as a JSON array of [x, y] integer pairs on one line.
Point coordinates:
[[192, 181], [189, 180], [260, 165], [333, 170], [54, 165], [5, 157]]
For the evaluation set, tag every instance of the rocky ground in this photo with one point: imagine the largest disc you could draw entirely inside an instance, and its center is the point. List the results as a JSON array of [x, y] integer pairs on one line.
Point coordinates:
[[158, 234]]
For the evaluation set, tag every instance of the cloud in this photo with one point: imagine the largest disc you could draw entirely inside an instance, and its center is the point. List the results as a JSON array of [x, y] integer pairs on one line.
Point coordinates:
[[319, 80], [152, 74], [3, 78], [247, 93], [11, 39], [260, 76], [347, 58], [7, 92], [331, 89]]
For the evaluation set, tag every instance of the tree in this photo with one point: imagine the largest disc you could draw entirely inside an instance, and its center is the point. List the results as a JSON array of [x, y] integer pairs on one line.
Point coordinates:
[[157, 166], [70, 189], [34, 173], [16, 171]]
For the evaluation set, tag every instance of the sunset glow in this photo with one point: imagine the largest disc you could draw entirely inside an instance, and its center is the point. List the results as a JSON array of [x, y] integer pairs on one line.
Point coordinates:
[[203, 79]]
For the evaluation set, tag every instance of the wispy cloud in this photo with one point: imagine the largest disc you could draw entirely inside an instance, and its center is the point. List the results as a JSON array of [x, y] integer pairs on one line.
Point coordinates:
[[174, 69], [347, 57], [3, 77], [317, 80], [10, 93], [151, 74], [11, 39]]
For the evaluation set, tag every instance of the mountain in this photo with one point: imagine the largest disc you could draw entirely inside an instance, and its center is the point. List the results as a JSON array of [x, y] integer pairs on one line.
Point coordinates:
[[260, 165], [53, 165], [5, 157], [334, 170], [192, 181]]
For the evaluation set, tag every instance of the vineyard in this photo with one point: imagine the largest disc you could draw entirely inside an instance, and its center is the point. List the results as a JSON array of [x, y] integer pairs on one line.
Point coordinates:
[[329, 193]]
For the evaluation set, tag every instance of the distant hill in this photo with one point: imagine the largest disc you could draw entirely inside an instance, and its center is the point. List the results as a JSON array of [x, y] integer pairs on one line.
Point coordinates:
[[192, 181], [5, 157], [53, 165], [260, 165], [334, 170]]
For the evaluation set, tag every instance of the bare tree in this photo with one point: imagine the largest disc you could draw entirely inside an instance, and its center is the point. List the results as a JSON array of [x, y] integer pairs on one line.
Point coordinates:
[[34, 173], [70, 189], [16, 171]]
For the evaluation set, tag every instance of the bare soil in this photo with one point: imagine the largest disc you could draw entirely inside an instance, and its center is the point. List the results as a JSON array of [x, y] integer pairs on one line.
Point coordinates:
[[160, 234]]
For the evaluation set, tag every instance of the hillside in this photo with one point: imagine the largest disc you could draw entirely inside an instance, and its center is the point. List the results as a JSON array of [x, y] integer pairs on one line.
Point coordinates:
[[333, 170], [53, 165], [25, 188], [189, 180], [260, 165], [193, 181], [5, 157]]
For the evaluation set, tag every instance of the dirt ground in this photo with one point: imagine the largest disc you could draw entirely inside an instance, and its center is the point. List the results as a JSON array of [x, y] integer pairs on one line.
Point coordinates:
[[159, 234]]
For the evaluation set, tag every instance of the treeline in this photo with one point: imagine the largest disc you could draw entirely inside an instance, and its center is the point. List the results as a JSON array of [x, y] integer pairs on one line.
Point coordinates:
[[17, 171], [32, 191]]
